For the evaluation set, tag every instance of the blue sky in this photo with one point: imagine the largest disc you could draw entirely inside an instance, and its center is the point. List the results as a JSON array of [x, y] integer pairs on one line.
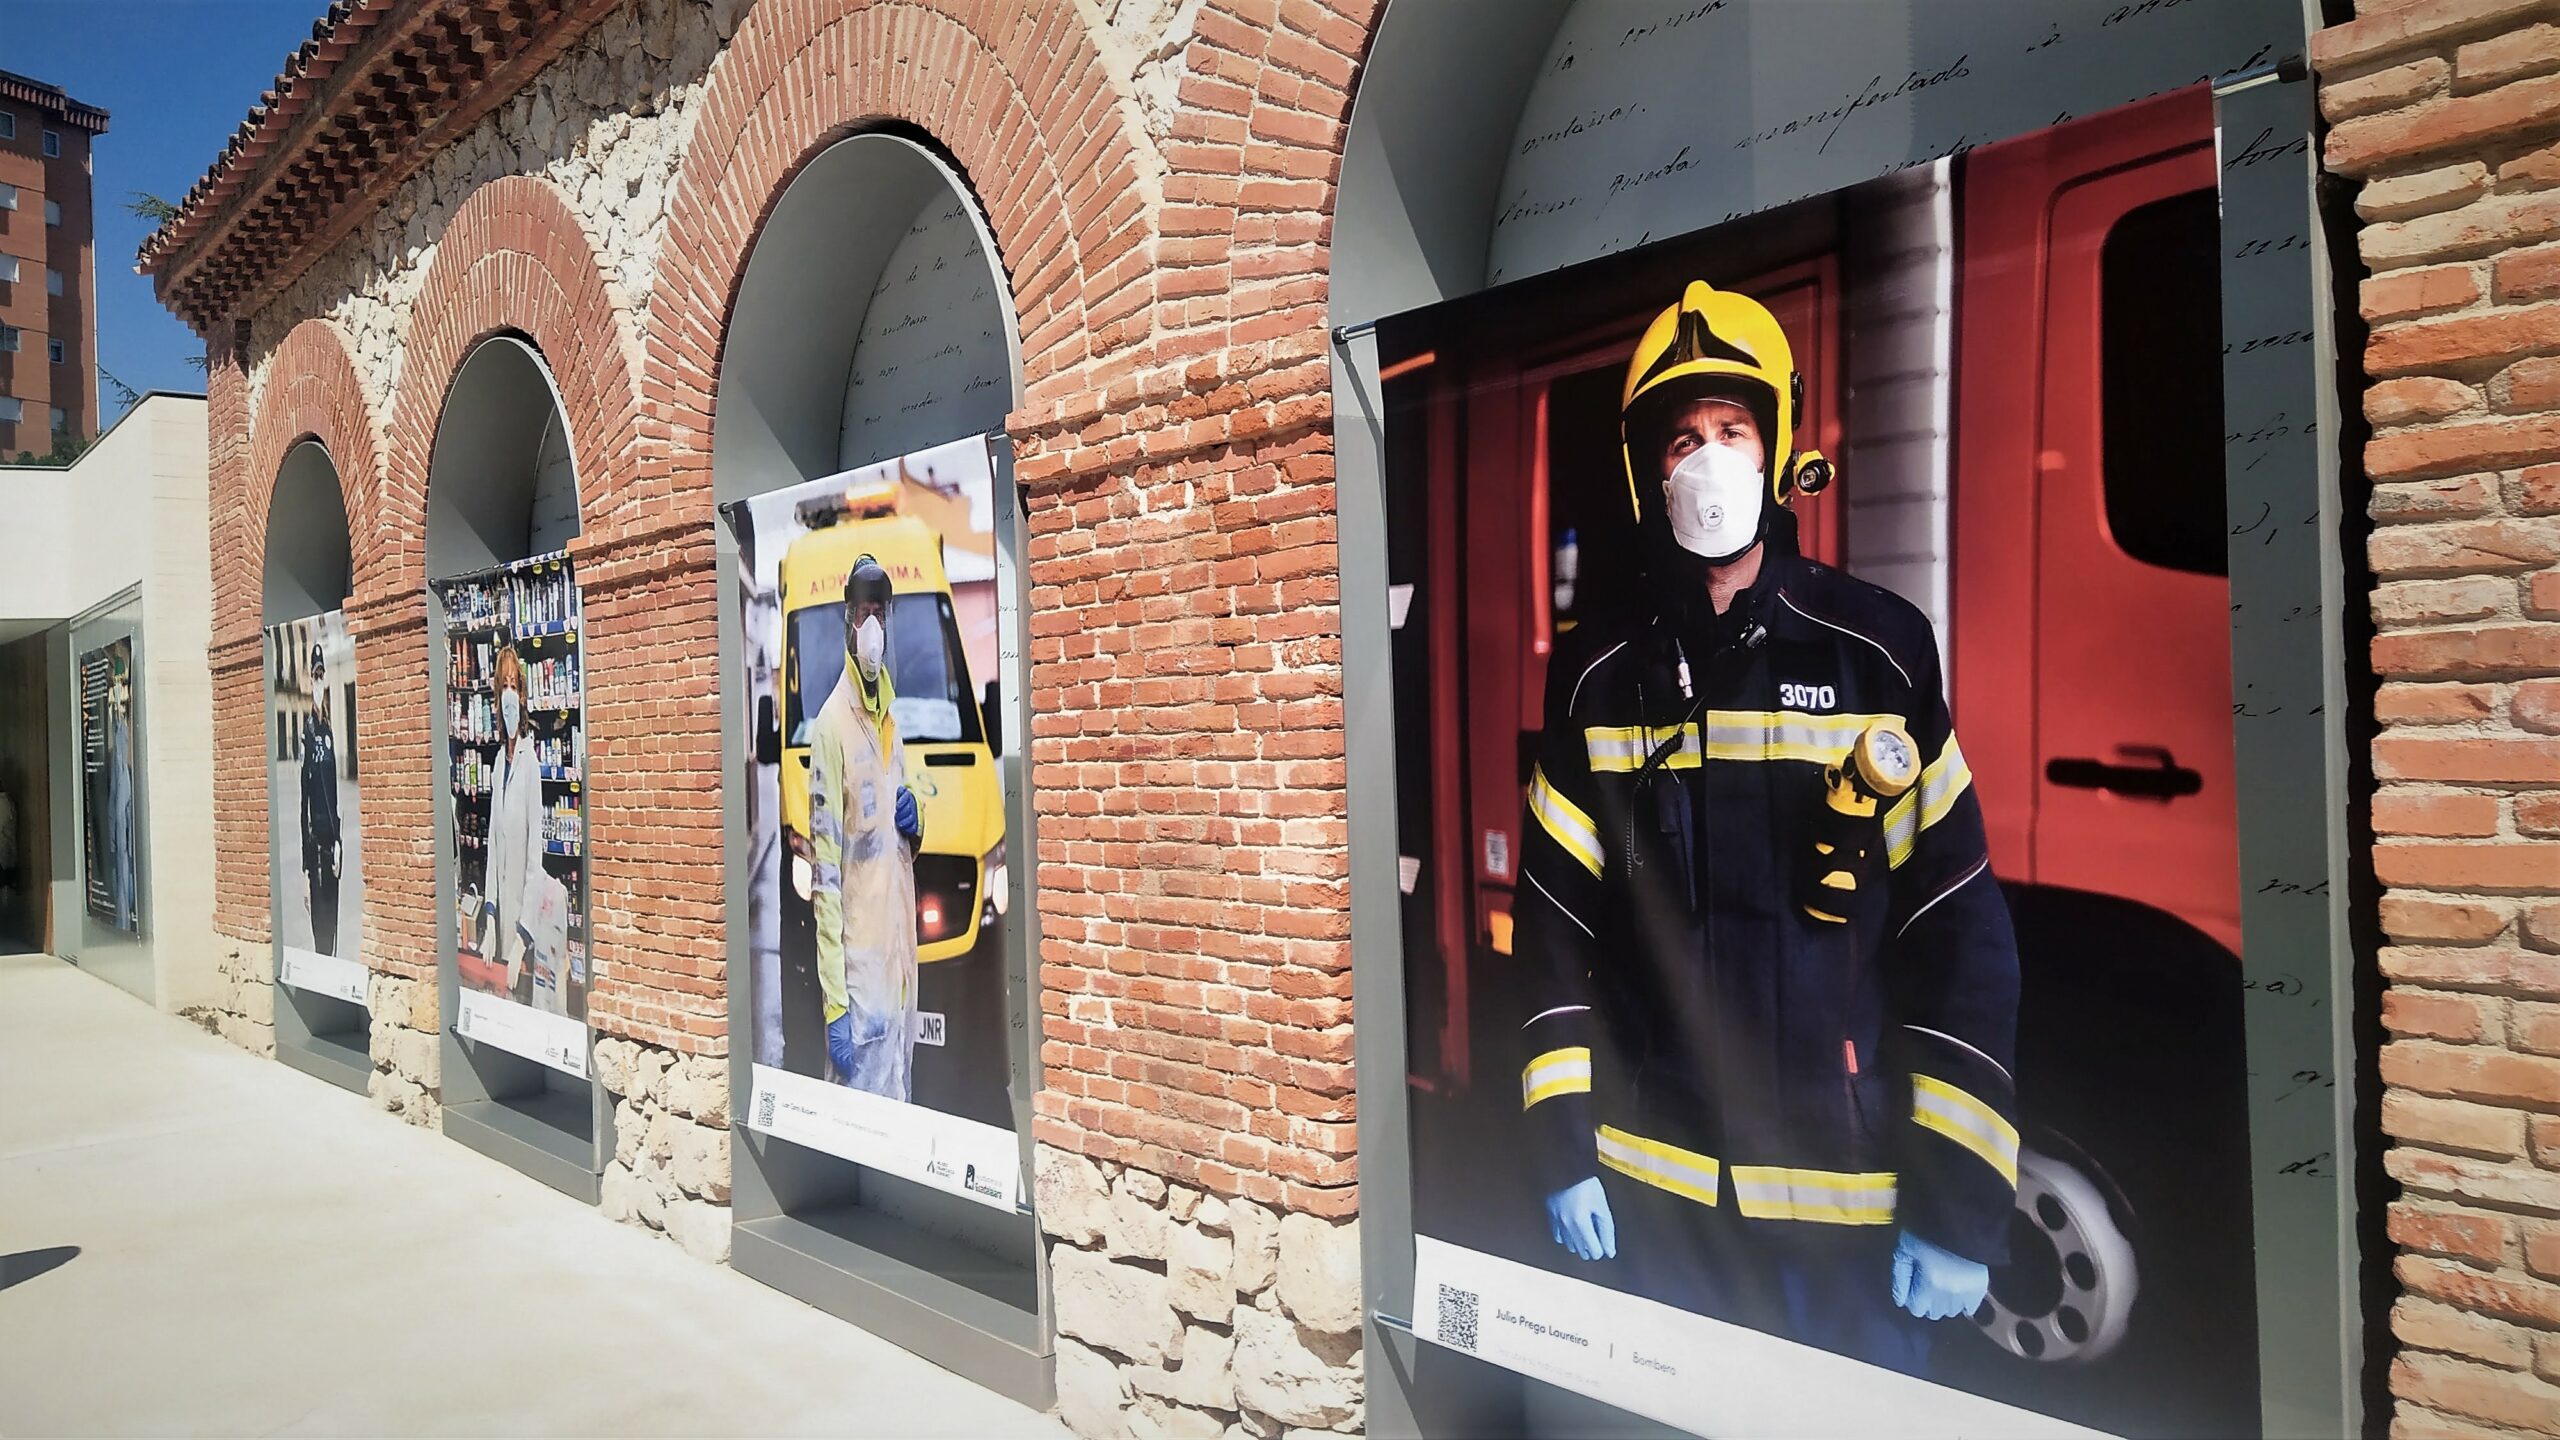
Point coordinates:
[[175, 77]]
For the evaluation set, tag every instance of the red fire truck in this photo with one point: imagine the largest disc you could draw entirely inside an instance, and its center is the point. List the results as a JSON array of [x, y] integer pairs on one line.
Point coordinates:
[[2046, 474]]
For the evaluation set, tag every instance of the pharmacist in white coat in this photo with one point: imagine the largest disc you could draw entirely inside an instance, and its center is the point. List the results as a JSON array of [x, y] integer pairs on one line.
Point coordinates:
[[515, 842]]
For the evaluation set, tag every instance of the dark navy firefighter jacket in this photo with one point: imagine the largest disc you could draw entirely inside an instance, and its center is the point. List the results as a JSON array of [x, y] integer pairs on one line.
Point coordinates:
[[1687, 1024]]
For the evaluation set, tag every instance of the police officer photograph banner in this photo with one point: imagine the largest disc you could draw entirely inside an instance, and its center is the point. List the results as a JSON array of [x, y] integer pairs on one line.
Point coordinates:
[[110, 767], [1821, 892], [313, 807], [515, 737], [876, 862]]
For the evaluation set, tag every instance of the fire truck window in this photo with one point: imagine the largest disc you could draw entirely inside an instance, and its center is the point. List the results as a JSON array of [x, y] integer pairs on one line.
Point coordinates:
[[2160, 276]]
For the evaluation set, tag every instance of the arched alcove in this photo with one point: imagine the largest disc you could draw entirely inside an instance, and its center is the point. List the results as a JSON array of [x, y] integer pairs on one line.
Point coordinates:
[[316, 860], [308, 555], [501, 484], [503, 487], [872, 321], [1600, 155]]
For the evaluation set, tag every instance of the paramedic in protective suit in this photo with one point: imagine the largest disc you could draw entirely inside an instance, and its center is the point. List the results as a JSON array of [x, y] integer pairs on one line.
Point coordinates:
[[320, 844], [1765, 1043], [864, 832]]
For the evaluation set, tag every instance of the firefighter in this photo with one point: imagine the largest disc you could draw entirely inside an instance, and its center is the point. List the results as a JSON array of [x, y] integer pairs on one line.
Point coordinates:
[[1763, 1082], [864, 835], [320, 836]]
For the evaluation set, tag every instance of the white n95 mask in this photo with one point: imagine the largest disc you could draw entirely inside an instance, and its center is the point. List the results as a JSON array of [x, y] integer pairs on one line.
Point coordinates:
[[868, 638], [1714, 499]]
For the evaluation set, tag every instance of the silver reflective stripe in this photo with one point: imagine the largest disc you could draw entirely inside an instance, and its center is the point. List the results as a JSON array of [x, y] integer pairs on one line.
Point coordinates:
[[1993, 1145], [1663, 1166], [1785, 734], [1773, 1193]]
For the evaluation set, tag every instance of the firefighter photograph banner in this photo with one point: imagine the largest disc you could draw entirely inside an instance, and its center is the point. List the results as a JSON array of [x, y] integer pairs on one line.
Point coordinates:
[[1816, 811], [312, 803], [876, 860], [110, 767], [515, 734]]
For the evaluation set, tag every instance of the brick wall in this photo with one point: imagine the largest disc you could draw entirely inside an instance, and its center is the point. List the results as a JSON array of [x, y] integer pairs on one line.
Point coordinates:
[[2448, 112]]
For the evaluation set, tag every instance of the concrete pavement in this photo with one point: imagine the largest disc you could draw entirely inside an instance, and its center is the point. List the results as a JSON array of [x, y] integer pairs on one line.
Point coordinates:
[[260, 1253]]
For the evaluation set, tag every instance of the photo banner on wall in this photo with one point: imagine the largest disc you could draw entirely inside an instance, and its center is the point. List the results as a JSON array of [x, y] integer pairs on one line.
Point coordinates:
[[1817, 807], [876, 854], [110, 771], [314, 807], [514, 715]]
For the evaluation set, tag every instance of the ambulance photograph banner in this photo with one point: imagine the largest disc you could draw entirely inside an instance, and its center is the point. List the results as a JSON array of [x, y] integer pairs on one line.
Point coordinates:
[[876, 859], [1821, 891], [515, 740], [312, 804]]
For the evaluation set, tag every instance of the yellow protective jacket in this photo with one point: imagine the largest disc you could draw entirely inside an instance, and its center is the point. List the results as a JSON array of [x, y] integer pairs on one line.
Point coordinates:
[[864, 898]]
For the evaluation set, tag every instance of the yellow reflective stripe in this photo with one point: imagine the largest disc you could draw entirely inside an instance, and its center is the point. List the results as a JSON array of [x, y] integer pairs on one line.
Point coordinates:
[[1665, 1167], [1937, 1105], [1624, 748], [1557, 1072], [1565, 821], [1828, 1197], [1785, 734], [1926, 803]]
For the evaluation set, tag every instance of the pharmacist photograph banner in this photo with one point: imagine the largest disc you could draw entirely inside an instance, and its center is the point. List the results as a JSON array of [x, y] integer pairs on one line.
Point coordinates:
[[1817, 803], [515, 731], [876, 858], [314, 807]]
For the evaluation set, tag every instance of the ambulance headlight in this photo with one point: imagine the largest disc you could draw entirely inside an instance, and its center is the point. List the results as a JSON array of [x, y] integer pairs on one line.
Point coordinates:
[[999, 882], [803, 878]]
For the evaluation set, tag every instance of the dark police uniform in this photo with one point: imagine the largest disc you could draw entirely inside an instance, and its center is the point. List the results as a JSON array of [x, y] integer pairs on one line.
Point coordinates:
[[320, 828], [1767, 1098]]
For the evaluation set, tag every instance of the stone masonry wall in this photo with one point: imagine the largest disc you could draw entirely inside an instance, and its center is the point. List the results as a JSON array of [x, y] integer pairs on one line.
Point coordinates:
[[2448, 112], [1190, 1316], [670, 1170]]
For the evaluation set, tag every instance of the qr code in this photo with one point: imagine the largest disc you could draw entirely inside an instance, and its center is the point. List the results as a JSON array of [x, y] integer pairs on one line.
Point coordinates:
[[1457, 1318], [764, 1111]]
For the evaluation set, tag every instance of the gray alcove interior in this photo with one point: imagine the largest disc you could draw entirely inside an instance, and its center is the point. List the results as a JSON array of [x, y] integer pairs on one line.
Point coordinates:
[[308, 550], [502, 485], [872, 321], [1429, 168], [309, 572]]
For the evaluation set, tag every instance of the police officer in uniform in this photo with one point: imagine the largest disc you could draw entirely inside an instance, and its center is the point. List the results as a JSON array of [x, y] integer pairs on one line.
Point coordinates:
[[1765, 1037], [320, 850]]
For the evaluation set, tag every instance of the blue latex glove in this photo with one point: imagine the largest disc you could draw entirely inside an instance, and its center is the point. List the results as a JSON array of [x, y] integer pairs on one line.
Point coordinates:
[[840, 1044], [1936, 1284], [1578, 1218], [910, 824]]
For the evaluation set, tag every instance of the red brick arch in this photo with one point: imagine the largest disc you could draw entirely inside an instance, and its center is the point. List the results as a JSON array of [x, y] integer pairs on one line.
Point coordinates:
[[1021, 99], [514, 258], [312, 393]]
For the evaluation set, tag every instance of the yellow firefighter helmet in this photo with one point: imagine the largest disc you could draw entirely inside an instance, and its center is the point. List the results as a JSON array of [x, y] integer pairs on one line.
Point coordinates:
[[1720, 341]]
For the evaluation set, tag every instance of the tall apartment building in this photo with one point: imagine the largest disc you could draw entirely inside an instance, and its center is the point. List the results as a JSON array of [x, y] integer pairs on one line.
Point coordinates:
[[48, 284]]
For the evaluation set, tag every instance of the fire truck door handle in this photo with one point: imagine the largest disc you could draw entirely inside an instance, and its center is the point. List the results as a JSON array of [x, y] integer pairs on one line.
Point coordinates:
[[2164, 779]]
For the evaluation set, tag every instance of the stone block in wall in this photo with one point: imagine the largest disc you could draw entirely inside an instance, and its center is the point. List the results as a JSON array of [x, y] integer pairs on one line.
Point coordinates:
[[1296, 1375], [1114, 1305], [1319, 1273], [1073, 1199], [1093, 1396]]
